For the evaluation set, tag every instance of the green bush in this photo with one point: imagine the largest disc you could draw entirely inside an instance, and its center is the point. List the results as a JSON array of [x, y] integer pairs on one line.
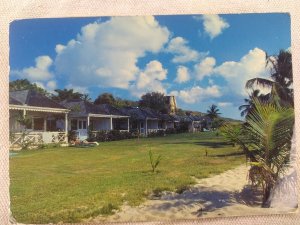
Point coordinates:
[[113, 135]]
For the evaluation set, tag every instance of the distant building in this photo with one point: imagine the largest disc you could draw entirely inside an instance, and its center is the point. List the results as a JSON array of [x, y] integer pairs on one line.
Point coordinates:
[[171, 104]]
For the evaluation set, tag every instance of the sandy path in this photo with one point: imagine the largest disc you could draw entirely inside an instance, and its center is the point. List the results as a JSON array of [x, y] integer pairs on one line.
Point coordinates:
[[220, 195]]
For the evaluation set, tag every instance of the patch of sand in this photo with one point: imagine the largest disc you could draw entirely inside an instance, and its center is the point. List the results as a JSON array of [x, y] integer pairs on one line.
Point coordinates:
[[227, 194]]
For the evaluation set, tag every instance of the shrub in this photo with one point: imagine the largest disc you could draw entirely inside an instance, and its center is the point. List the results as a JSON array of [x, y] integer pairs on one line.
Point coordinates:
[[113, 135], [182, 127], [170, 131], [72, 135]]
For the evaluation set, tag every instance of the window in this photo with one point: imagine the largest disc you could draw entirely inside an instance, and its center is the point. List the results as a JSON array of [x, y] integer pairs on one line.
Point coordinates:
[[38, 124], [82, 124], [73, 124], [142, 125], [51, 125]]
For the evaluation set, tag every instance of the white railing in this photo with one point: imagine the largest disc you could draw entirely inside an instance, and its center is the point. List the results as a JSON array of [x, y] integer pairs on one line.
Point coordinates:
[[154, 130], [34, 138]]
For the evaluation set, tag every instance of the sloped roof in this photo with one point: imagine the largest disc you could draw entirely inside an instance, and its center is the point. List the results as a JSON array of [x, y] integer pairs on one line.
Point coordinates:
[[140, 113], [32, 98], [82, 108], [79, 107]]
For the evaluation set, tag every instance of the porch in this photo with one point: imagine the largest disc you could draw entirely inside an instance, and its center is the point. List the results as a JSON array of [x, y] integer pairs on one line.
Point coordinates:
[[33, 126], [98, 122]]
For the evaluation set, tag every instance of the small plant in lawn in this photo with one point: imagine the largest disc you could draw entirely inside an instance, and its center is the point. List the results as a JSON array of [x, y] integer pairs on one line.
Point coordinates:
[[154, 162]]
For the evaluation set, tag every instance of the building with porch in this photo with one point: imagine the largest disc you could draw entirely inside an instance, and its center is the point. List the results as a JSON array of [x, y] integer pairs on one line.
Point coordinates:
[[146, 120], [87, 117], [42, 119]]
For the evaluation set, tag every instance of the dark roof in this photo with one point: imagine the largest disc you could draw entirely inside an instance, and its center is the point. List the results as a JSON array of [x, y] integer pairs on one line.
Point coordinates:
[[82, 108], [79, 107], [196, 117], [14, 101], [109, 109], [32, 98], [140, 113]]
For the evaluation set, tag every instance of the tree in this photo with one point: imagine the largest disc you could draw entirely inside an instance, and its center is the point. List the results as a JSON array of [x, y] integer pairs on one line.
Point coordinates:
[[249, 104], [24, 84], [265, 138], [119, 103], [105, 98], [281, 78], [67, 94], [154, 100], [213, 112]]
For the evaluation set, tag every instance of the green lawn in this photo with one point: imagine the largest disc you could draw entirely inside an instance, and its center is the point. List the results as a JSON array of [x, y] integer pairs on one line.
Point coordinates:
[[69, 184]]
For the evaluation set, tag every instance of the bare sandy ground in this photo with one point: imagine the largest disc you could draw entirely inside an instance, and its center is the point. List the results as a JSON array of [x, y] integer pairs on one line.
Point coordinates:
[[227, 194]]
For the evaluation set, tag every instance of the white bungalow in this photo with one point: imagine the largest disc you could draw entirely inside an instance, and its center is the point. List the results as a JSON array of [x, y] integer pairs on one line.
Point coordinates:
[[40, 118], [145, 120], [85, 116]]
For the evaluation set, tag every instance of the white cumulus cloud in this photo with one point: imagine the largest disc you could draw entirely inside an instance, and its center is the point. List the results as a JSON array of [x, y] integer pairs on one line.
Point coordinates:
[[106, 53], [38, 73], [150, 79], [204, 68], [182, 74], [214, 25], [197, 94], [182, 52], [252, 65]]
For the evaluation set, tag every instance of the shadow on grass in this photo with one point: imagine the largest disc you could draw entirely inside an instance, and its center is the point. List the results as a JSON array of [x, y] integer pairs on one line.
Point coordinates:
[[209, 144], [229, 154]]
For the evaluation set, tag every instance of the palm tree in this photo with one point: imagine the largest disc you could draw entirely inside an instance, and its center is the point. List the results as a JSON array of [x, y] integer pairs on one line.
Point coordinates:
[[213, 112], [281, 77], [266, 140], [249, 104]]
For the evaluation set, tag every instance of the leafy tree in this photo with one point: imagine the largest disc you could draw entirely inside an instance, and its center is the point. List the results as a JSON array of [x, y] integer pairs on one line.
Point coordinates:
[[105, 98], [180, 112], [124, 102], [67, 94], [154, 100], [24, 84], [213, 112], [281, 78]]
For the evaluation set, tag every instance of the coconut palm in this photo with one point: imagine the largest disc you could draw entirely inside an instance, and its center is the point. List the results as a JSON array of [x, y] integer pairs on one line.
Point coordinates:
[[213, 112], [266, 140], [281, 77], [248, 106]]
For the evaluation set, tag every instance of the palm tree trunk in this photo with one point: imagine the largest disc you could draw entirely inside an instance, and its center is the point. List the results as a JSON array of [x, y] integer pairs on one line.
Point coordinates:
[[266, 196]]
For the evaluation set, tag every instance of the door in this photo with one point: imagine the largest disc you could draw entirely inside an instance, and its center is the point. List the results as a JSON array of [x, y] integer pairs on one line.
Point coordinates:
[[82, 129]]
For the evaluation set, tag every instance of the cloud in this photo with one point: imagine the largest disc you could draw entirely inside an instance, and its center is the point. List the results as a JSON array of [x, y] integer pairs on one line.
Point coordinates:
[[105, 53], [83, 90], [197, 94], [252, 65], [214, 25], [182, 52], [150, 79], [204, 68], [225, 104], [40, 72], [182, 74]]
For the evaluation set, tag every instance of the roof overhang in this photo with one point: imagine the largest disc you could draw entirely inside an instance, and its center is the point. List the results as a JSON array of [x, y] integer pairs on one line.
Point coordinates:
[[106, 116], [38, 109]]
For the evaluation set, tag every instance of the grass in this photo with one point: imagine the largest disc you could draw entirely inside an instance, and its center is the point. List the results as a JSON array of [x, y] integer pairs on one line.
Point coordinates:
[[69, 184]]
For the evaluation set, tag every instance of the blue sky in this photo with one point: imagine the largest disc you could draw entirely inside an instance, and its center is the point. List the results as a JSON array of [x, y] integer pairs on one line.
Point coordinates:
[[201, 59]]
